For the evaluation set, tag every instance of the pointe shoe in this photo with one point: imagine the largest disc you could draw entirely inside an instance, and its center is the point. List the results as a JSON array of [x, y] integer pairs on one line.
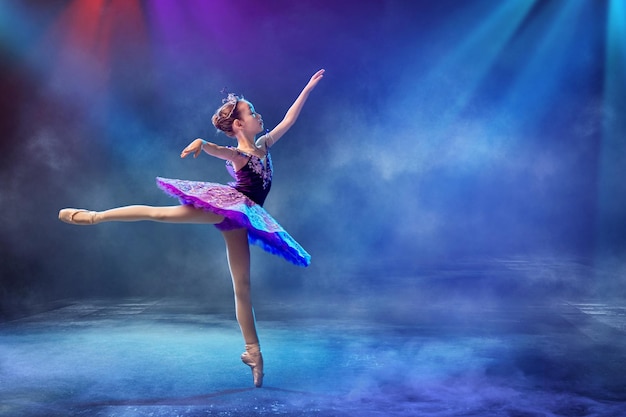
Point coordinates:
[[255, 362], [67, 216]]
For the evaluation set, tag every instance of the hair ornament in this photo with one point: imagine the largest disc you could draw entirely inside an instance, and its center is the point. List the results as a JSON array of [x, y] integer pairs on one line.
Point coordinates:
[[230, 97]]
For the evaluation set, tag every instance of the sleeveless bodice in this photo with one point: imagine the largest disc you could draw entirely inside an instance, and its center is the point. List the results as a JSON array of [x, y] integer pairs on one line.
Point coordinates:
[[254, 179]]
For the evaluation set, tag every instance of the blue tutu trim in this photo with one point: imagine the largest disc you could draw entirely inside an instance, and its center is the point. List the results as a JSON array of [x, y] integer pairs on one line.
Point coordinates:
[[239, 211]]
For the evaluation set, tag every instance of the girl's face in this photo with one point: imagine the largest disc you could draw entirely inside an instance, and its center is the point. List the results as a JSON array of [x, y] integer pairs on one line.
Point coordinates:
[[251, 120]]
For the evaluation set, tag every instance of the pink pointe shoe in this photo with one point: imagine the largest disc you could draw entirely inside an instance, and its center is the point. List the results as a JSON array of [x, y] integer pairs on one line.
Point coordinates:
[[68, 216], [255, 362]]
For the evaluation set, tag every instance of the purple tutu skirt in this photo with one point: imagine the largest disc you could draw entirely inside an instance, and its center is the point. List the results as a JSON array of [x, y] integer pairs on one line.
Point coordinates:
[[239, 211]]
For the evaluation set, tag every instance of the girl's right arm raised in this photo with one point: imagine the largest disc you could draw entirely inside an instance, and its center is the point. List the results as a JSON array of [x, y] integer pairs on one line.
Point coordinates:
[[212, 149]]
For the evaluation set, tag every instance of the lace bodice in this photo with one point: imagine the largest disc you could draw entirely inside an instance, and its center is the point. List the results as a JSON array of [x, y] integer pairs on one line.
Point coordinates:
[[255, 178]]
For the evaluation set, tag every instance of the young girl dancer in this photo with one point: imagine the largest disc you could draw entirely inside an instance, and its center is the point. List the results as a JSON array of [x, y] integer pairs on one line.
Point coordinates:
[[235, 209]]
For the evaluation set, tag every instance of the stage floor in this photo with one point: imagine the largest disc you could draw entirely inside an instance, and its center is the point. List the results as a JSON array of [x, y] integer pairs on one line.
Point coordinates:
[[174, 358]]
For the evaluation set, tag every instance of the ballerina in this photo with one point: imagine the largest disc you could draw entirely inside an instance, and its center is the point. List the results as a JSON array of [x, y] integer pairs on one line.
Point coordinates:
[[235, 209]]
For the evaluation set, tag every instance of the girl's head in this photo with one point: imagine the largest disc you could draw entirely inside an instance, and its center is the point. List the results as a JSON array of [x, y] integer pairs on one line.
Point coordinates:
[[233, 108]]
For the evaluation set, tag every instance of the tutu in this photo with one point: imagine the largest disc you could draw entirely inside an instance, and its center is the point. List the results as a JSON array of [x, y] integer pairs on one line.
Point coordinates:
[[239, 211]]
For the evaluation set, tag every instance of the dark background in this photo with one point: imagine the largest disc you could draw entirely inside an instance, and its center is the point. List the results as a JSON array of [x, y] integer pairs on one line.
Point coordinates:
[[453, 151]]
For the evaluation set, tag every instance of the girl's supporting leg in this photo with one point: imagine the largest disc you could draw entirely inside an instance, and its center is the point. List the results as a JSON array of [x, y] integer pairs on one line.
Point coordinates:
[[170, 214], [238, 251]]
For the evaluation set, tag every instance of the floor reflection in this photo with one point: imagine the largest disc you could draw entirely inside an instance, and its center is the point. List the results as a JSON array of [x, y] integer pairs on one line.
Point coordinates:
[[167, 357]]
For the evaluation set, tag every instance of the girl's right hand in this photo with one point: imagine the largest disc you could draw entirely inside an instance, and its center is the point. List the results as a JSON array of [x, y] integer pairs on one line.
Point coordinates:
[[194, 148]]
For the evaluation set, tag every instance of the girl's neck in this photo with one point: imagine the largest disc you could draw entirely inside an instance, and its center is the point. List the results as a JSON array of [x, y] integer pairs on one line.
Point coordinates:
[[244, 142]]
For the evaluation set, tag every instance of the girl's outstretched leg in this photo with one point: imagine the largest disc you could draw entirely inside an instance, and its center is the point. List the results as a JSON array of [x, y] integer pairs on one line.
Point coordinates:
[[238, 251], [170, 214]]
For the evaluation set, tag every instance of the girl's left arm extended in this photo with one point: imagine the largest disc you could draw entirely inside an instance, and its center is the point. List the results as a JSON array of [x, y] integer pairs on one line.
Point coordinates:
[[294, 111]]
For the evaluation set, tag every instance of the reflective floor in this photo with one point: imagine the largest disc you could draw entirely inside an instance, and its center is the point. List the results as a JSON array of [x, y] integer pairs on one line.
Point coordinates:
[[172, 358]]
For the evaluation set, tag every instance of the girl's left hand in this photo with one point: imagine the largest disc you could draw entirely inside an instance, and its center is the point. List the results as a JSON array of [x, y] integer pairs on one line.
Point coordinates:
[[315, 79], [194, 148]]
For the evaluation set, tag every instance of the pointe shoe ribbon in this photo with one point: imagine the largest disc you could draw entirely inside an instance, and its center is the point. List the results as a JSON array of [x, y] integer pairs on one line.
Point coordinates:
[[67, 215]]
